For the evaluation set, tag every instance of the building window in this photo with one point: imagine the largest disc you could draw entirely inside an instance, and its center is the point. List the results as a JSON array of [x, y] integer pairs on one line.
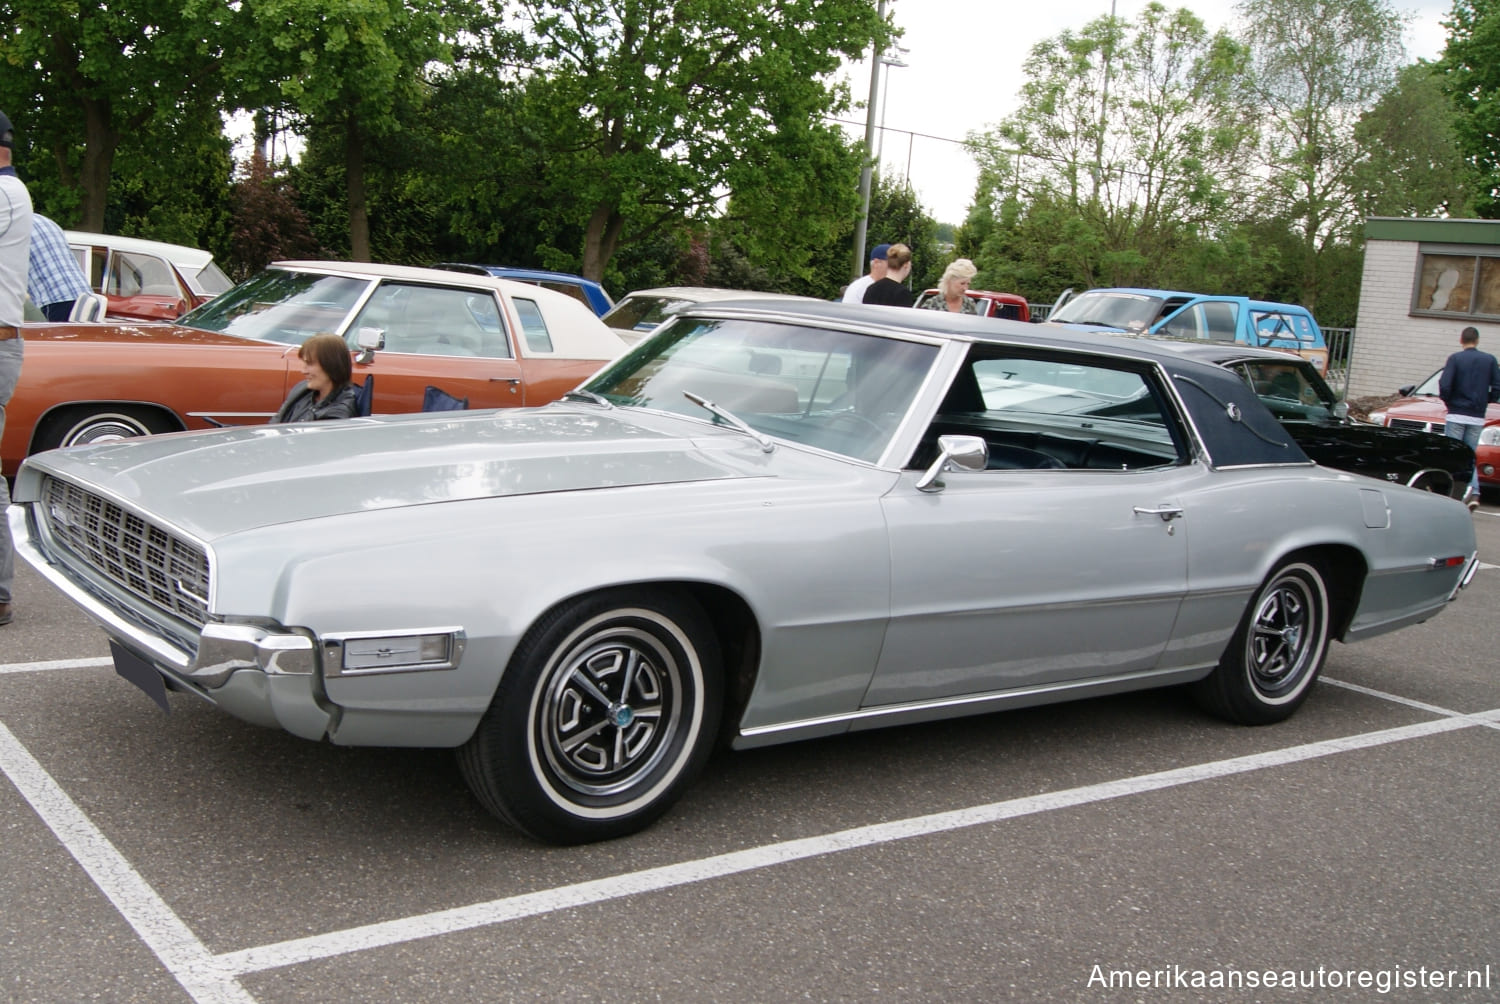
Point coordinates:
[[1456, 282]]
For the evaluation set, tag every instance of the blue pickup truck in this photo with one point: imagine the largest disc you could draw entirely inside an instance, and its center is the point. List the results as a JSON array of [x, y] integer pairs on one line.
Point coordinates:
[[1197, 315]]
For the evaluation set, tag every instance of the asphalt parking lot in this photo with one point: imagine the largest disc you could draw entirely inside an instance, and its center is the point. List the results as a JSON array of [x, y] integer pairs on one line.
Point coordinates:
[[1119, 849]]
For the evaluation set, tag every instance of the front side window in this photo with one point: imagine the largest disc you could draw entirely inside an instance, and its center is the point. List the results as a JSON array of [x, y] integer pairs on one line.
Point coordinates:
[[1038, 411], [1217, 320], [434, 320]]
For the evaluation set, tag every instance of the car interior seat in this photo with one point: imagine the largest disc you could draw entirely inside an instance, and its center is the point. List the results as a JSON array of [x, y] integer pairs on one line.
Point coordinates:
[[437, 399], [88, 308]]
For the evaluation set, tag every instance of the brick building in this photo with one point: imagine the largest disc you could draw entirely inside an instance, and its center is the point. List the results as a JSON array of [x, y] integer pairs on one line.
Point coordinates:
[[1423, 282]]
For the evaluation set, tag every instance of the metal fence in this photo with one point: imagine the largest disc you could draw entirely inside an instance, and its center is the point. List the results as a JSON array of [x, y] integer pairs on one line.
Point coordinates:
[[1340, 350]]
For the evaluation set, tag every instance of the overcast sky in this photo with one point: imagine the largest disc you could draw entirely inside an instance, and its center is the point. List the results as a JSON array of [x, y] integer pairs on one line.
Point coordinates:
[[963, 72]]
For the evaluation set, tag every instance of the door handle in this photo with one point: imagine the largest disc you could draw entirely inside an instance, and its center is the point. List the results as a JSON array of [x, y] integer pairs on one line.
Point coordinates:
[[1166, 512]]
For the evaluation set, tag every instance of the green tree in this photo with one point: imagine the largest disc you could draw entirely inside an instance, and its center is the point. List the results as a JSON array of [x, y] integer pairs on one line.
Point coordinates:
[[1127, 144], [354, 72], [1317, 66], [1470, 67], [92, 77], [651, 112], [1409, 161]]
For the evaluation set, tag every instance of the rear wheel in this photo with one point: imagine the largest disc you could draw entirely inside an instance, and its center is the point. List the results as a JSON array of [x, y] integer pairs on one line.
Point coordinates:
[[606, 713], [1277, 651], [100, 423]]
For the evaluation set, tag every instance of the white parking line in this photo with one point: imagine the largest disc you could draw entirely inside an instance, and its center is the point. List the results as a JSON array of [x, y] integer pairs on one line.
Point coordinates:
[[356, 939], [1397, 699], [211, 979], [202, 975], [42, 667]]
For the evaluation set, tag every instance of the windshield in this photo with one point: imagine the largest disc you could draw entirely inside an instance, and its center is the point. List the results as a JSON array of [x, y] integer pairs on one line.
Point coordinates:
[[1127, 311], [837, 391], [1292, 390], [642, 312], [281, 306], [1429, 387]]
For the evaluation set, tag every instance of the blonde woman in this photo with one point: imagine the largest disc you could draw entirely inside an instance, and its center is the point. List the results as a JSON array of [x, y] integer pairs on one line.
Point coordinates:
[[952, 288]]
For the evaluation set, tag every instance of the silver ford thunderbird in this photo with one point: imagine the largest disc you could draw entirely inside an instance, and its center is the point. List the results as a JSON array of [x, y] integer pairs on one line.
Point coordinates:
[[768, 521]]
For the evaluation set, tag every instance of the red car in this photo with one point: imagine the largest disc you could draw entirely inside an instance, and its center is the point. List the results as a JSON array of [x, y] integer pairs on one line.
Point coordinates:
[[1008, 305], [231, 361], [147, 280], [1419, 407]]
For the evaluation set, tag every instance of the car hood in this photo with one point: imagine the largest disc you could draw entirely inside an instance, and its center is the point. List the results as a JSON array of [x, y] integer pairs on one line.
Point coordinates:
[[1429, 409], [133, 332], [213, 483]]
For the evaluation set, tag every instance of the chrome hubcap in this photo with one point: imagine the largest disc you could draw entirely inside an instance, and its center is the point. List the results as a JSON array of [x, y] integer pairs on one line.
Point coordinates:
[[608, 715], [1279, 638]]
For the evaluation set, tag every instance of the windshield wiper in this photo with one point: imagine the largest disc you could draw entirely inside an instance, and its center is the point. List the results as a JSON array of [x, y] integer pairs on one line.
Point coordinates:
[[580, 394], [765, 442]]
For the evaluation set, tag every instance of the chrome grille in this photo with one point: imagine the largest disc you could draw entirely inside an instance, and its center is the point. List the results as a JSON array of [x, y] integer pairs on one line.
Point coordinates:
[[148, 562], [1406, 423]]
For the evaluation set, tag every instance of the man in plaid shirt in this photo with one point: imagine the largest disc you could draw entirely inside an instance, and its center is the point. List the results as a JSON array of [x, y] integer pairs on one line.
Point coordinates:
[[55, 279]]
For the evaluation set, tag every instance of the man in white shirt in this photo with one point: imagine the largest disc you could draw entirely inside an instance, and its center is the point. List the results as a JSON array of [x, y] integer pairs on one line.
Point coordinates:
[[855, 293], [15, 252]]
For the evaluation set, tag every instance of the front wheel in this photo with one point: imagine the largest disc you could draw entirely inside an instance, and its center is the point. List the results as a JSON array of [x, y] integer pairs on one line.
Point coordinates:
[[606, 713], [1277, 651], [83, 424]]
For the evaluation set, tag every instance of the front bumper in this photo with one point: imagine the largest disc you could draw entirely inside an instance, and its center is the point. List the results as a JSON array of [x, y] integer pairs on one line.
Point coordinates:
[[261, 674]]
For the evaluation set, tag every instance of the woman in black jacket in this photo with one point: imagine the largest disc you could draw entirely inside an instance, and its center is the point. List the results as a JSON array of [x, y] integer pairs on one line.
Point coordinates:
[[326, 392]]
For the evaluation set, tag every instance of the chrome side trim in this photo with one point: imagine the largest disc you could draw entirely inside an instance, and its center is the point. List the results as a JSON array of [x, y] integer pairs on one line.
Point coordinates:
[[970, 704]]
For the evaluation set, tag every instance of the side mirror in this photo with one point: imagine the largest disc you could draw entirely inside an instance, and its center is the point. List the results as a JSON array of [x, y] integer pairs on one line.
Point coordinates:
[[1406, 391], [368, 340], [967, 453], [1341, 410]]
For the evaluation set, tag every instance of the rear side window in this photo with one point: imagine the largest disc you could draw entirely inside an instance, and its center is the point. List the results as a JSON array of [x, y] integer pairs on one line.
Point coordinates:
[[533, 326]]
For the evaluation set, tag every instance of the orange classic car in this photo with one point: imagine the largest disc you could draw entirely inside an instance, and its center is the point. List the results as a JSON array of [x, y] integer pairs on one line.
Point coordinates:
[[232, 360]]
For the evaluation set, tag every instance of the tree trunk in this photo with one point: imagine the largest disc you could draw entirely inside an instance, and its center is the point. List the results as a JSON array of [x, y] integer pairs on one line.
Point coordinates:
[[359, 214], [600, 240], [100, 141]]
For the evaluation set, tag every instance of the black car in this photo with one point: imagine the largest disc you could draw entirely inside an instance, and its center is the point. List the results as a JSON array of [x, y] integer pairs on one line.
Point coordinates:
[[1307, 407]]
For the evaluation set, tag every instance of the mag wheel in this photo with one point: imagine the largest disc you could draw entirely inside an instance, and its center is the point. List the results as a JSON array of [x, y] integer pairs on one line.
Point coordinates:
[[605, 714], [1277, 651]]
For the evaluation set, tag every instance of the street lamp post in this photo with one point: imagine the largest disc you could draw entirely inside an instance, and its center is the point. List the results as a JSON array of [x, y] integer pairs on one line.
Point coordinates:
[[864, 175]]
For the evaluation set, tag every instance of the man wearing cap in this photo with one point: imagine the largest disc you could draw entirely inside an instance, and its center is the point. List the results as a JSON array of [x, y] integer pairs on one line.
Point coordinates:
[[15, 252], [856, 291]]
